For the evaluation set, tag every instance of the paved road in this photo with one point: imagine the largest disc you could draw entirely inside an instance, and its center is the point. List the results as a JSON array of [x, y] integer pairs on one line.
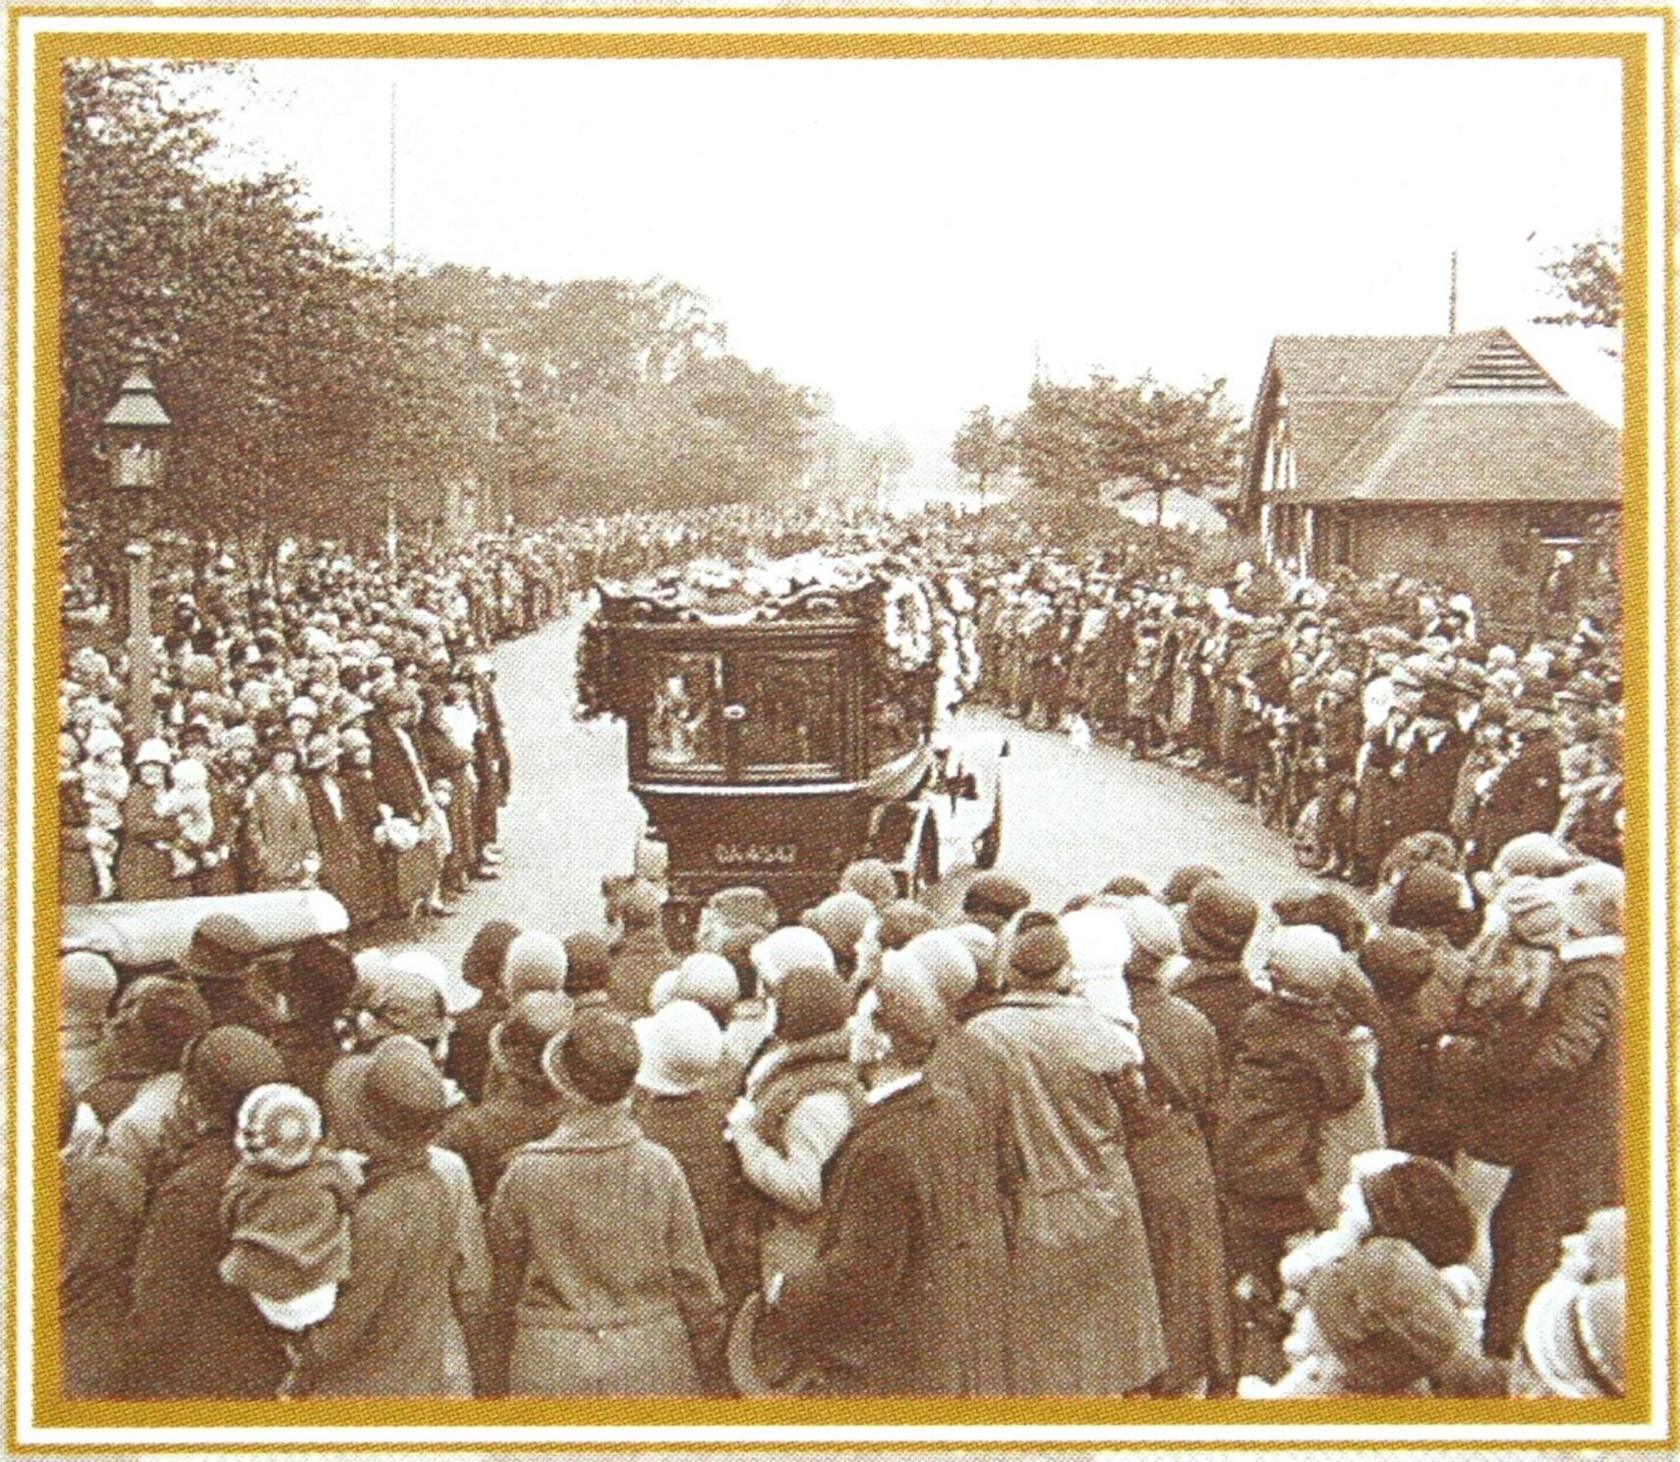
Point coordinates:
[[1073, 819]]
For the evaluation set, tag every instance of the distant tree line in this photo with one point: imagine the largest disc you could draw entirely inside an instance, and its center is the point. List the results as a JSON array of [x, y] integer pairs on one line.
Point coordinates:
[[1075, 447], [309, 380]]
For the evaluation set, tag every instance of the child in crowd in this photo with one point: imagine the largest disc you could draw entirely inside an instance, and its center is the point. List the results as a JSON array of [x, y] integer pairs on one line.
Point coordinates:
[[188, 802], [286, 1208]]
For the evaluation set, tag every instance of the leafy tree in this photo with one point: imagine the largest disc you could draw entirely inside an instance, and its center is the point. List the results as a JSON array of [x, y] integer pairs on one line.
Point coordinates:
[[1055, 449], [1588, 279], [1153, 439], [311, 384], [982, 448], [1081, 445]]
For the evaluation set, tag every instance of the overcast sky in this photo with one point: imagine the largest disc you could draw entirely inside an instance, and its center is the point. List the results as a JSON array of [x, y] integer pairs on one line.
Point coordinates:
[[906, 234]]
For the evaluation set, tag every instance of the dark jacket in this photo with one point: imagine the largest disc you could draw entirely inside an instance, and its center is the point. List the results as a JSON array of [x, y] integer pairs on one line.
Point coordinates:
[[907, 1296], [1168, 1151], [399, 778], [690, 1128], [1428, 784], [488, 1135], [192, 1335], [1545, 1086], [639, 960], [1295, 1069], [385, 1336], [1223, 992], [469, 1044], [1525, 798], [102, 1206], [350, 869]]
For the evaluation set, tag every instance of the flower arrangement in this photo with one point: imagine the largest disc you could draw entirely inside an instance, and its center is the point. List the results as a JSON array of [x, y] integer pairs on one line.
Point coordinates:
[[925, 656]]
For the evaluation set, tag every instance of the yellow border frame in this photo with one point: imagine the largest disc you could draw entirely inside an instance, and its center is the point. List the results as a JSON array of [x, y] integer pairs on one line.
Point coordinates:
[[1630, 49]]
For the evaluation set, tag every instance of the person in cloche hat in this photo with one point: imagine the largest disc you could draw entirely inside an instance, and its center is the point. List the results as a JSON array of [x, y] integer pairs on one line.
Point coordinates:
[[520, 1105], [222, 960], [1170, 1158], [1295, 1070], [677, 1103], [802, 1095], [388, 1333], [1083, 1316], [88, 985], [908, 1292], [595, 1294], [1217, 924], [1523, 793], [285, 852], [193, 1336], [144, 865]]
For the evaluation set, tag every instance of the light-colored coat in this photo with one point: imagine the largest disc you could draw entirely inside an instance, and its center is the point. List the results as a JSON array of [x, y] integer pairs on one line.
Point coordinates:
[[1084, 1318]]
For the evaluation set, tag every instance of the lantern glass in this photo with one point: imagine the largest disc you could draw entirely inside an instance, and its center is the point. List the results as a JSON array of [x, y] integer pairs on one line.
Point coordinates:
[[137, 462]]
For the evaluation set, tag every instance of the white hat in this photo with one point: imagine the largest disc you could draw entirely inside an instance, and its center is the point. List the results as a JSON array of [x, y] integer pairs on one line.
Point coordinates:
[[303, 706], [457, 994], [789, 948], [681, 1047], [103, 739], [154, 750], [707, 979]]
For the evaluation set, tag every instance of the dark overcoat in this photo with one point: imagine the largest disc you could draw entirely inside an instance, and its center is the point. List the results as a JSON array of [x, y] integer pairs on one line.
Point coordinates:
[[1174, 1171], [907, 1293], [193, 1335], [1525, 798]]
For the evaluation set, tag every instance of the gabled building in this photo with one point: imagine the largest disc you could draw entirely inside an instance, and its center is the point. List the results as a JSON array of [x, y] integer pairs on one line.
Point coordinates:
[[1451, 457]]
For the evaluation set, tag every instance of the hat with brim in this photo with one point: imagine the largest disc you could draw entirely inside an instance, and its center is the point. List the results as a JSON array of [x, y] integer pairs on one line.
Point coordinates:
[[223, 947], [399, 1093], [761, 1363]]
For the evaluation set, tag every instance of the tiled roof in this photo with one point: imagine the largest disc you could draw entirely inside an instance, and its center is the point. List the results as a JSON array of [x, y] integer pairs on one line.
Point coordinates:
[[1443, 418]]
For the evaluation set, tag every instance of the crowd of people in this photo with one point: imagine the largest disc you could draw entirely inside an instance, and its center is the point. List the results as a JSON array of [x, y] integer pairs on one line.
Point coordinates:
[[1162, 1141], [332, 721], [1354, 714]]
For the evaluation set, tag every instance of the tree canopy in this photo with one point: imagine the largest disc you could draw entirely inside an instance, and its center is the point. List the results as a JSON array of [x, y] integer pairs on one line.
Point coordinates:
[[1587, 278], [309, 382], [1081, 445]]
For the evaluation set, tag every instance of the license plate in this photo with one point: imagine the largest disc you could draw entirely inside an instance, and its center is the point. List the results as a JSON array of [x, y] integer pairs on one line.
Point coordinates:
[[755, 855]]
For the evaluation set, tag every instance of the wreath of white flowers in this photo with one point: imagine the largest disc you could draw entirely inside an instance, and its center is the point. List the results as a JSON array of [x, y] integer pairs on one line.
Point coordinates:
[[907, 623]]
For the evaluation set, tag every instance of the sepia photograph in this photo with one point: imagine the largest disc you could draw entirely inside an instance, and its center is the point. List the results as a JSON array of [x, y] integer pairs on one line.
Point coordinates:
[[836, 729]]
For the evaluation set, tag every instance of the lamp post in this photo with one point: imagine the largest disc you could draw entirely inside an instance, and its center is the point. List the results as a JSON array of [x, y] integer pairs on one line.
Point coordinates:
[[135, 435]]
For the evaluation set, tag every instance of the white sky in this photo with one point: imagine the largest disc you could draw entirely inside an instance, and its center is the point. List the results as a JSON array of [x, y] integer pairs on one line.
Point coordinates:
[[904, 234]]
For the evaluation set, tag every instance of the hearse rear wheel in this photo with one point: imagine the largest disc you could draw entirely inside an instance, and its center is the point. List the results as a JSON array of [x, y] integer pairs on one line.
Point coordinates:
[[989, 845], [924, 867]]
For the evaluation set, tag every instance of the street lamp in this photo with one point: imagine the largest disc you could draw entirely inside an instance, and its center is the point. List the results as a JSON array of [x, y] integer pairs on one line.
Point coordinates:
[[135, 436]]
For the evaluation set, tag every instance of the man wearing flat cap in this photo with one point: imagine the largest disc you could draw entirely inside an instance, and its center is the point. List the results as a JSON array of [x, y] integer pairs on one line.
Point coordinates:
[[221, 960]]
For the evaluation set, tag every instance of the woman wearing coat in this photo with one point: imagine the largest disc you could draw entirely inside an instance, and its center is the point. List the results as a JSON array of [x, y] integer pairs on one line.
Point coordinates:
[[350, 871], [144, 864], [1547, 1074], [1084, 1317], [284, 849], [1172, 1164], [602, 1284]]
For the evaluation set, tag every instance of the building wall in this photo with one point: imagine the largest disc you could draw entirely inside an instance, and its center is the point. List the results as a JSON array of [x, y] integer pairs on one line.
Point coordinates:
[[1481, 549]]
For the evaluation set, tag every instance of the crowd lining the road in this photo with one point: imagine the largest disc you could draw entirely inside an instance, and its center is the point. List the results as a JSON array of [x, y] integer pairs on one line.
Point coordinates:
[[1162, 1141]]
